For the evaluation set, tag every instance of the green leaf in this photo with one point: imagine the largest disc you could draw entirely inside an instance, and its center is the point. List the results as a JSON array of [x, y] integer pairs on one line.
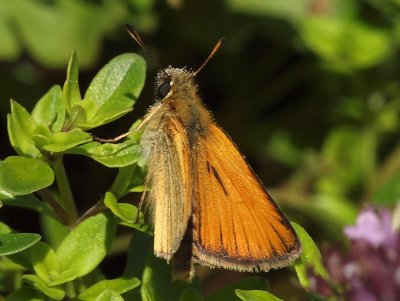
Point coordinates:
[[114, 90], [22, 259], [63, 141], [282, 149], [31, 202], [280, 9], [346, 166], [119, 285], [157, 284], [20, 175], [323, 209], [191, 294], [109, 154], [50, 110], [85, 247], [256, 295], [83, 27], [248, 283], [109, 295], [139, 248], [129, 179], [44, 261], [4, 229], [71, 92], [345, 44], [53, 231], [77, 116], [21, 128], [4, 195], [126, 212], [10, 46], [309, 258], [389, 193], [55, 293], [16, 242], [41, 136], [25, 294]]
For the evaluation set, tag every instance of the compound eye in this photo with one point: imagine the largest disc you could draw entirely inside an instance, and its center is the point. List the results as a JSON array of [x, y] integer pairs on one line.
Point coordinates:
[[163, 89]]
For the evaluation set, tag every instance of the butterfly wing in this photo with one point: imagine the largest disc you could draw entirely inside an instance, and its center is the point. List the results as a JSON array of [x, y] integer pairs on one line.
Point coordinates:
[[236, 224], [169, 179]]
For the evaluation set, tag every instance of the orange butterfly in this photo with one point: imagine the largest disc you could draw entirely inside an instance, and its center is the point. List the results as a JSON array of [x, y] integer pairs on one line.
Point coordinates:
[[207, 204]]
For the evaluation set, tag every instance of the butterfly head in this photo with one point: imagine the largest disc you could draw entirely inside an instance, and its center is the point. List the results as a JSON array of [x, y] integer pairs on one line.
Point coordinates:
[[178, 83]]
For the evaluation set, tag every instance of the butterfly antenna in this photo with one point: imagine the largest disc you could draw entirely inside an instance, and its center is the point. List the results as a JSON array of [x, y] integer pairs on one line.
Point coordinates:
[[212, 53], [135, 35]]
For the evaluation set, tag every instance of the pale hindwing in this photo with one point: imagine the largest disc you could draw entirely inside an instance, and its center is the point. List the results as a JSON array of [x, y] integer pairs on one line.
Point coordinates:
[[169, 181], [236, 224]]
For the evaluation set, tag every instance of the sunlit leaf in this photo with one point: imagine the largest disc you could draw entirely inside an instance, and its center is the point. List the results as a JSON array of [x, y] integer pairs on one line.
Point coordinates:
[[53, 292], [21, 128], [119, 285], [109, 154], [21, 175], [256, 295], [85, 247], [114, 90], [310, 258], [44, 261], [71, 92]]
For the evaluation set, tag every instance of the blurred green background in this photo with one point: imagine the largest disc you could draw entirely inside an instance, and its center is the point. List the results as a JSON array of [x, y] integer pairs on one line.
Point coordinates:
[[308, 89]]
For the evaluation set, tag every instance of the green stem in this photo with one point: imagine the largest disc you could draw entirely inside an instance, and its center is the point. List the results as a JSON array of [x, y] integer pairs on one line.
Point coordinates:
[[65, 191], [70, 289], [58, 212]]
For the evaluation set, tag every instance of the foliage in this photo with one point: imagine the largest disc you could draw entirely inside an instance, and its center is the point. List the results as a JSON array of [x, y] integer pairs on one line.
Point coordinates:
[[36, 26]]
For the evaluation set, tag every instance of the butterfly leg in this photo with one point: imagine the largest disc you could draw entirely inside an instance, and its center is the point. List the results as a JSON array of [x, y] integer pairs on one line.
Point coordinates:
[[141, 203], [122, 136]]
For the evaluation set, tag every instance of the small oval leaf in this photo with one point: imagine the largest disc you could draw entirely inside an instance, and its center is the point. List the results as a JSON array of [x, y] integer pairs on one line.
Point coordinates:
[[21, 175], [16, 242], [85, 247], [115, 89], [50, 110], [21, 127]]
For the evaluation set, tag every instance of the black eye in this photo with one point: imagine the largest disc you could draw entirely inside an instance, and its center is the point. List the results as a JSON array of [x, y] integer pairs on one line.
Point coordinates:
[[163, 89]]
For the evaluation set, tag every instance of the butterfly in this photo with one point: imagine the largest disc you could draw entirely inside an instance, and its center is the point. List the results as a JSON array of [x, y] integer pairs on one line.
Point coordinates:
[[207, 205]]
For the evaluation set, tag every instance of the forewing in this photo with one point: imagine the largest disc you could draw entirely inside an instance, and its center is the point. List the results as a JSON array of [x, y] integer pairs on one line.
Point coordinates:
[[169, 181], [236, 223]]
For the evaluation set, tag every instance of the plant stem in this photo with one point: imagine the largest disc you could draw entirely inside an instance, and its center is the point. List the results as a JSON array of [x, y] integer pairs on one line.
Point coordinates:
[[65, 191], [70, 289], [97, 208], [58, 211]]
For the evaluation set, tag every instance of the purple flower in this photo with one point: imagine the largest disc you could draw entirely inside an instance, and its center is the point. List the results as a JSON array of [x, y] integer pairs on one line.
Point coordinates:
[[373, 226], [370, 269]]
